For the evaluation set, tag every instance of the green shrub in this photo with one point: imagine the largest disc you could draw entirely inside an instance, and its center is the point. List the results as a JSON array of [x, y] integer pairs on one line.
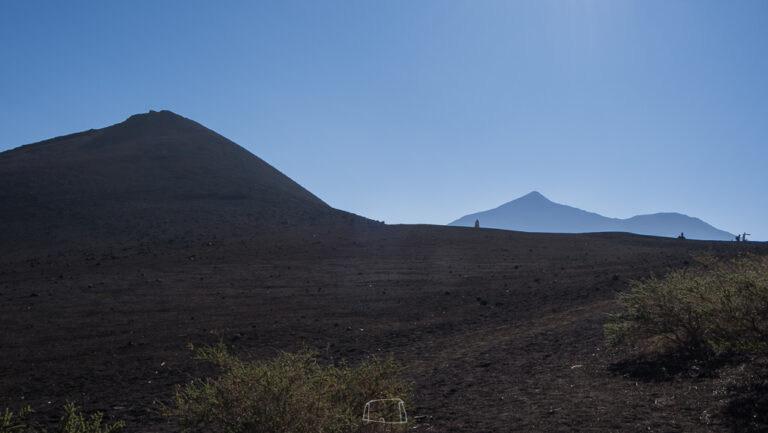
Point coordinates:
[[290, 393], [73, 421], [721, 306], [11, 422]]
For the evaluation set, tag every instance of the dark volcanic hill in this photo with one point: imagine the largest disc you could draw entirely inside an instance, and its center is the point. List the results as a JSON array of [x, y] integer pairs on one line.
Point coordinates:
[[535, 213], [155, 175]]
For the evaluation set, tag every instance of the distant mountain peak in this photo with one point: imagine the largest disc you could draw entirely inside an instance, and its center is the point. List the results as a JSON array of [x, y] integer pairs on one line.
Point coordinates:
[[533, 199], [534, 195], [535, 213]]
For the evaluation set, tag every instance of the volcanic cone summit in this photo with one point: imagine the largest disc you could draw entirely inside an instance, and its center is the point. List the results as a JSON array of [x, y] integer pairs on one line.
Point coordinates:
[[155, 174]]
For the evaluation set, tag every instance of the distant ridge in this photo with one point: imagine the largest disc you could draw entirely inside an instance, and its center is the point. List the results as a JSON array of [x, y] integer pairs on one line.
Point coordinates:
[[535, 213], [155, 175]]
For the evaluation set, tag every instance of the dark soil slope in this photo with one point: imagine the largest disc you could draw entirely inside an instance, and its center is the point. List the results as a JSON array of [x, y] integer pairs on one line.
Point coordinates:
[[154, 173], [499, 331]]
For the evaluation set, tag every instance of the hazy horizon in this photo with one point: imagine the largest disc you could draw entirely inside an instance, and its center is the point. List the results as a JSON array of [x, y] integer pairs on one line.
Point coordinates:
[[534, 212], [424, 112]]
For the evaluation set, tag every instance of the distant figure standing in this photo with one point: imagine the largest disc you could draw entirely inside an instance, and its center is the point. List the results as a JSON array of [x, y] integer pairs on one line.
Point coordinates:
[[738, 238], [477, 223], [682, 236]]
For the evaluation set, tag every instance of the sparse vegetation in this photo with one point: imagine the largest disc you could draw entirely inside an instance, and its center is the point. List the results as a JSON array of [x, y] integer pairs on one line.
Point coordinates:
[[720, 306], [11, 422], [290, 393], [73, 421]]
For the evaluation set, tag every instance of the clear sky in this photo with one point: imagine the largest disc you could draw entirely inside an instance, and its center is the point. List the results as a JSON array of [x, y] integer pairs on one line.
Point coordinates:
[[423, 111]]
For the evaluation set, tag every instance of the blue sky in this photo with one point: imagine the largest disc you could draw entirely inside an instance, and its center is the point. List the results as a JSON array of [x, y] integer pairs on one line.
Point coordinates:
[[424, 111]]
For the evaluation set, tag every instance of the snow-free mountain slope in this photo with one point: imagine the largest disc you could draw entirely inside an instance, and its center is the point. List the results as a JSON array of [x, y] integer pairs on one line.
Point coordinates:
[[155, 174], [535, 213]]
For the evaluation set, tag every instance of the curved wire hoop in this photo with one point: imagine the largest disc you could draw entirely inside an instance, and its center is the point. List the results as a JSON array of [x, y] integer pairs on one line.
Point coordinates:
[[402, 414]]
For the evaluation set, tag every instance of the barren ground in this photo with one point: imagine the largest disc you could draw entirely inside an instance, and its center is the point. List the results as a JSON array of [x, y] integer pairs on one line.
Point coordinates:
[[499, 331]]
